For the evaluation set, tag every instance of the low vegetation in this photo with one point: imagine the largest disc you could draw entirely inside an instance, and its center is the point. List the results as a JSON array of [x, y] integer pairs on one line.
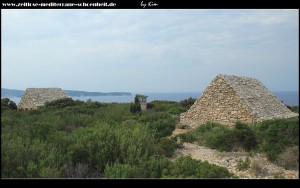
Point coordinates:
[[243, 164], [277, 138], [76, 139]]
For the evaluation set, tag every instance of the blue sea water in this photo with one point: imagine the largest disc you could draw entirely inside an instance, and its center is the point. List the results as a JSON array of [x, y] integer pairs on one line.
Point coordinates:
[[290, 98]]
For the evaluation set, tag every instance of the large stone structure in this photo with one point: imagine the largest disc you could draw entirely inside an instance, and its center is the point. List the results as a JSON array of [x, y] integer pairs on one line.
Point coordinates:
[[143, 101], [35, 97], [229, 99]]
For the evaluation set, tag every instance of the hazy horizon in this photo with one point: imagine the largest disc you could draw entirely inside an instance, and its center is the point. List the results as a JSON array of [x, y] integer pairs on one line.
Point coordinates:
[[135, 92], [104, 50]]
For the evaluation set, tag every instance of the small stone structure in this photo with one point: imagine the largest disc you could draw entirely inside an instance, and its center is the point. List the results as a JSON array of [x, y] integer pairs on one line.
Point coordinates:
[[229, 99], [35, 97], [142, 101]]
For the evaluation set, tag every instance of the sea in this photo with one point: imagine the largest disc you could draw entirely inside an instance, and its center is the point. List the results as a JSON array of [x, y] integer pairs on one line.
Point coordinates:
[[290, 98]]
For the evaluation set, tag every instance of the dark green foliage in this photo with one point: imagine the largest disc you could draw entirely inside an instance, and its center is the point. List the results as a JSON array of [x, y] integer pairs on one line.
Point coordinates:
[[152, 168], [188, 137], [212, 135], [77, 139], [271, 137], [150, 105], [244, 136], [41, 130], [220, 137], [136, 106], [187, 103], [60, 103], [186, 167], [163, 127], [165, 147], [118, 170], [6, 104], [176, 110], [162, 123], [274, 136], [163, 106], [294, 108]]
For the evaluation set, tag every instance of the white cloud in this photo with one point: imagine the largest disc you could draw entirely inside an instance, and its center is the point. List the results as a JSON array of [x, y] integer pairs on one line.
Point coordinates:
[[181, 47]]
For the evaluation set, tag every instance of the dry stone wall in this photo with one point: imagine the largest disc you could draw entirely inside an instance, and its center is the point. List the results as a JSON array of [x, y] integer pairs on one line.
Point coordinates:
[[229, 99], [35, 97], [26, 103], [261, 101], [218, 103]]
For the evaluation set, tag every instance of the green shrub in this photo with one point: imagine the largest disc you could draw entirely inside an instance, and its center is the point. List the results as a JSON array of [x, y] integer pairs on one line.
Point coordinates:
[[77, 139], [163, 127], [49, 172], [293, 108], [186, 167], [176, 110], [160, 122], [123, 171], [6, 103], [188, 137], [165, 147], [134, 108], [150, 105], [244, 136], [243, 165], [187, 103], [41, 130], [274, 136], [60, 103], [153, 168]]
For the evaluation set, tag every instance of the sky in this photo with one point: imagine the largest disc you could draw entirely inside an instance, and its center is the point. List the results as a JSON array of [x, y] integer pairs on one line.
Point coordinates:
[[160, 50]]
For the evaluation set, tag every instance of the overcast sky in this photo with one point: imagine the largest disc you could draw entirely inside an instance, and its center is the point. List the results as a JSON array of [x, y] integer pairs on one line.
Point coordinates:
[[148, 50]]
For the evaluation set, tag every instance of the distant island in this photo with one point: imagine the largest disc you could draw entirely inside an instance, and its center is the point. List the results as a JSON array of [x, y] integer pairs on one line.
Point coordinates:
[[72, 93]]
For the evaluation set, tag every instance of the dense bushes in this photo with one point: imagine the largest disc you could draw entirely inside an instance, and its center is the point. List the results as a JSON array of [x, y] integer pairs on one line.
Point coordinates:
[[76, 139], [136, 106], [165, 147], [187, 103], [275, 135], [186, 167], [7, 104], [294, 108], [183, 167], [152, 168], [277, 138], [60, 103], [244, 136], [212, 135], [162, 123]]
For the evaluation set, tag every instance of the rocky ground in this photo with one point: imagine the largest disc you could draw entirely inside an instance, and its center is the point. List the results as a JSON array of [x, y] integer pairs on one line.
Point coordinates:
[[259, 168]]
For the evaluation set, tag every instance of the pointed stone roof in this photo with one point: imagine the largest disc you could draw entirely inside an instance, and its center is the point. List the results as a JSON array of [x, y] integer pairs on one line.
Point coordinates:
[[263, 103], [40, 96], [230, 98]]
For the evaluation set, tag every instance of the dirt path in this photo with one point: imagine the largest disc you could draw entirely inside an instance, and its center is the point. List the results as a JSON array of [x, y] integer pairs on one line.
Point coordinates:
[[260, 167]]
